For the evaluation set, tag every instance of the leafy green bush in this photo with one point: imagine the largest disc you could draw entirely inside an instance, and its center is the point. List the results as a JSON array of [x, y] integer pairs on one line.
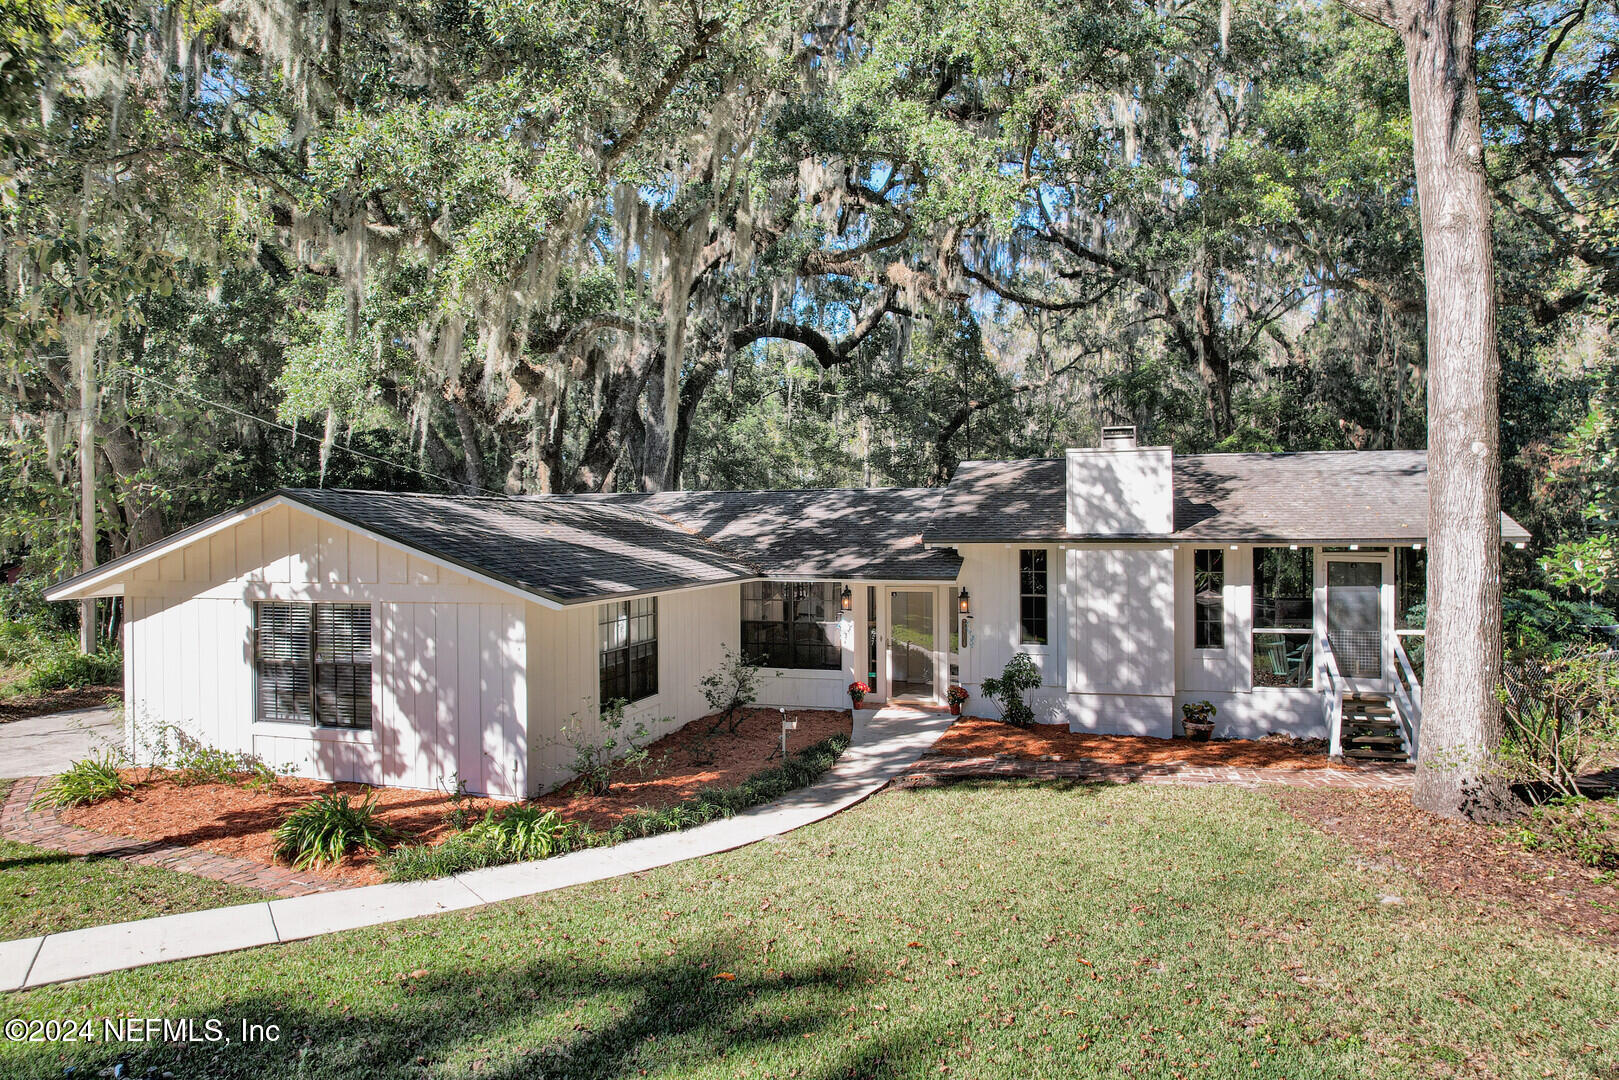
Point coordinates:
[[523, 832], [519, 834], [195, 762], [1586, 829], [84, 782], [1561, 717], [1011, 689], [44, 659], [327, 828]]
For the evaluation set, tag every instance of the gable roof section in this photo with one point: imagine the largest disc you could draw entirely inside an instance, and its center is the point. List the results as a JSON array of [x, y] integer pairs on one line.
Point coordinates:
[[1312, 497], [562, 553], [566, 550], [871, 533]]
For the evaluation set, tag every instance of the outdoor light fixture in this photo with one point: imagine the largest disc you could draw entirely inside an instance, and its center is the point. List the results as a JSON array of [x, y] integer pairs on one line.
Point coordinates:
[[1354, 547], [847, 600], [964, 604], [1416, 547], [1520, 547], [1292, 547]]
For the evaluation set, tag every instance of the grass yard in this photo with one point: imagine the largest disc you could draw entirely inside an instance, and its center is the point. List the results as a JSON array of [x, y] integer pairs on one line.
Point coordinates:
[[992, 930], [44, 892]]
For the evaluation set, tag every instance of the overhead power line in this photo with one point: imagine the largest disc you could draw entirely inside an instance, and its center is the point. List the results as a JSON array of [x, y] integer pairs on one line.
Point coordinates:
[[296, 434]]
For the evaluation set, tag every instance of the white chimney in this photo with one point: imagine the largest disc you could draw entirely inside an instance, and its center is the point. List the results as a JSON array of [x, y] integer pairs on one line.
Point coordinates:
[[1121, 489]]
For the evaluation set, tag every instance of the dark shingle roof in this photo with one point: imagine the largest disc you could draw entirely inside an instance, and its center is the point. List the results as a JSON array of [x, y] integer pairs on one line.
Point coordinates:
[[567, 550], [1315, 496], [830, 533]]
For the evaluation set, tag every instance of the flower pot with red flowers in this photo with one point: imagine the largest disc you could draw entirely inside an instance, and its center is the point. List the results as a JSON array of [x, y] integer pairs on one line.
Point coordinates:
[[857, 693], [957, 697]]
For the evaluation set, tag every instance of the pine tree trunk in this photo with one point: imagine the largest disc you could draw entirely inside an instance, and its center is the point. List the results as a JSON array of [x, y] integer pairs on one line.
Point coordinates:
[[1461, 728]]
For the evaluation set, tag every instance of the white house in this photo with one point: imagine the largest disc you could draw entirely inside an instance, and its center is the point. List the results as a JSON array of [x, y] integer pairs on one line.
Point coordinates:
[[418, 640]]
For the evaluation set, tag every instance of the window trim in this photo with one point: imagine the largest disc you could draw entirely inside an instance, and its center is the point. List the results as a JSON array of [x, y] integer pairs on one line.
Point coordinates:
[[791, 623], [312, 661], [628, 613], [1024, 641], [1198, 603]]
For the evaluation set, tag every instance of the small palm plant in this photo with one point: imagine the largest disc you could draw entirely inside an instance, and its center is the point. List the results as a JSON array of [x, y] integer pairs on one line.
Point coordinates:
[[327, 828], [88, 781]]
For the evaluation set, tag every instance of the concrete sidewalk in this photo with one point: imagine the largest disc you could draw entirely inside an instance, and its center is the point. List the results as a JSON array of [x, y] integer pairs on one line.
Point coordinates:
[[46, 745], [885, 743]]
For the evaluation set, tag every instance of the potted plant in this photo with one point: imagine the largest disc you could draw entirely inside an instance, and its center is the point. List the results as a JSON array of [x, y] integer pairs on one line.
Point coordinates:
[[1197, 717], [857, 692], [957, 697]]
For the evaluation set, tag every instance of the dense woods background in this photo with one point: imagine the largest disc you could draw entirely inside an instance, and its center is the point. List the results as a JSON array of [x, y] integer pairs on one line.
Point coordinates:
[[563, 245]]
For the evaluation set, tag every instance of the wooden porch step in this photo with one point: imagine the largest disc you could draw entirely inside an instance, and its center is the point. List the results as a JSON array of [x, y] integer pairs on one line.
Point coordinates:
[[1376, 755], [1376, 740], [1367, 710]]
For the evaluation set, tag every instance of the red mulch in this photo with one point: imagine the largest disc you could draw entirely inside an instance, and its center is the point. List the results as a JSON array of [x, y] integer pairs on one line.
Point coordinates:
[[685, 761], [1483, 863], [241, 822], [55, 701], [972, 737]]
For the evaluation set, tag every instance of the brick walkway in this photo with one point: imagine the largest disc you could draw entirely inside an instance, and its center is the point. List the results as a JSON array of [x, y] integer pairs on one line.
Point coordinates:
[[935, 770], [42, 828]]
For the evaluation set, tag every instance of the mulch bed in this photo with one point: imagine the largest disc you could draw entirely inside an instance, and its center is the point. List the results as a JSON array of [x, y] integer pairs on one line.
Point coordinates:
[[239, 822], [1484, 863], [55, 701], [686, 761], [974, 737]]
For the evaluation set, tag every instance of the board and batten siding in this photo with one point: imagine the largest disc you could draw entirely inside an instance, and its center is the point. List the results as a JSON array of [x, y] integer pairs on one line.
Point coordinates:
[[449, 696], [695, 626]]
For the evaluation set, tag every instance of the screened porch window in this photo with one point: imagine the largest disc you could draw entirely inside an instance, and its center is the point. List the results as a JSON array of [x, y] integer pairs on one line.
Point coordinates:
[[1284, 616], [312, 664], [1032, 596], [792, 624], [1208, 594], [627, 634]]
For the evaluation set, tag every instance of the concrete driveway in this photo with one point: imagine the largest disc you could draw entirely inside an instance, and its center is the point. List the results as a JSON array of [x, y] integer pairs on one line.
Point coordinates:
[[42, 745]]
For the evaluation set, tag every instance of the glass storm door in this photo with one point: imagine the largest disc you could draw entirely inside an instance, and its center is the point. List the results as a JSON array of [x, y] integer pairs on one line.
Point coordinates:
[[911, 644], [1355, 618]]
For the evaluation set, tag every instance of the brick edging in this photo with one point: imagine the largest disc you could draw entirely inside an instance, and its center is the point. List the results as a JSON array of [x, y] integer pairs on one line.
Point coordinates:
[[43, 828], [933, 770]]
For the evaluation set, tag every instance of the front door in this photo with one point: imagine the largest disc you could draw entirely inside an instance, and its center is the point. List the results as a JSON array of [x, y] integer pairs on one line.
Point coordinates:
[[911, 644], [1355, 620]]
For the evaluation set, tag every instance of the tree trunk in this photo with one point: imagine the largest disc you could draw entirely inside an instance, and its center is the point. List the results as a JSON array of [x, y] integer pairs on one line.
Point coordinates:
[[1461, 727]]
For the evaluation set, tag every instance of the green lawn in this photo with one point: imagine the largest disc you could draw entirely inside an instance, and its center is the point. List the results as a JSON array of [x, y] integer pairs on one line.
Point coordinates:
[[1000, 930], [43, 892]]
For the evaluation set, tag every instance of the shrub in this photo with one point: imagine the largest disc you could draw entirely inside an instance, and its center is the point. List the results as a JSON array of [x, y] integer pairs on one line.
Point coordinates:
[[1011, 690], [730, 688], [84, 782], [594, 758], [1561, 717], [327, 828], [521, 833], [1584, 829], [195, 762], [47, 659]]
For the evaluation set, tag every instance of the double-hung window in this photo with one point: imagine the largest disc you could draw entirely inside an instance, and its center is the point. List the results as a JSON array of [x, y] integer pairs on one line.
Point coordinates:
[[627, 634], [1032, 624], [792, 624], [1208, 594], [312, 663]]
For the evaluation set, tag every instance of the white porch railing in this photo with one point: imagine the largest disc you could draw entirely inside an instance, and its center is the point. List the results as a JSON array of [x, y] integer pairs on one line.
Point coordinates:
[[1407, 694], [1333, 701]]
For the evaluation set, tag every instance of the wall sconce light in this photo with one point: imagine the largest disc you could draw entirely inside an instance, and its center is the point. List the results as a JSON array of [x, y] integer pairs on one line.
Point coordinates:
[[846, 601], [1416, 547], [1354, 547], [965, 604]]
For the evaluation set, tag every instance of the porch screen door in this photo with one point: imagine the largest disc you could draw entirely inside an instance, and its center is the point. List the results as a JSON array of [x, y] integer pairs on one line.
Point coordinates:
[[1355, 617], [911, 644]]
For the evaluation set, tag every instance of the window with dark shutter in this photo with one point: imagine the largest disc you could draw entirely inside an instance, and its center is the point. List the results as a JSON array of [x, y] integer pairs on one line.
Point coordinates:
[[793, 624], [627, 637], [312, 663]]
